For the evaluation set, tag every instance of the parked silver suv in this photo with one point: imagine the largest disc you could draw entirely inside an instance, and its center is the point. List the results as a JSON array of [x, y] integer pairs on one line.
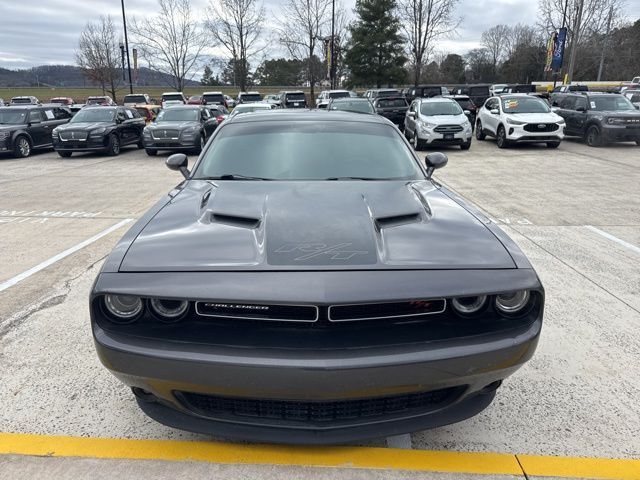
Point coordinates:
[[437, 121]]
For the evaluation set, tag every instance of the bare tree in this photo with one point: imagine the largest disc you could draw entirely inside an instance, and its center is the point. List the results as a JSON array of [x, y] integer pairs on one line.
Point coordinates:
[[582, 17], [496, 42], [425, 21], [301, 28], [172, 41], [98, 54], [237, 26]]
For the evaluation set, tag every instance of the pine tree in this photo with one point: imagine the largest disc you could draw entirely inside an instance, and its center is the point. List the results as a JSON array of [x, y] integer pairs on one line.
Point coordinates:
[[207, 77], [375, 54]]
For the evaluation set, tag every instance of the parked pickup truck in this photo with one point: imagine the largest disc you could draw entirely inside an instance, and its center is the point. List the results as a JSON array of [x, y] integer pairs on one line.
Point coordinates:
[[393, 108]]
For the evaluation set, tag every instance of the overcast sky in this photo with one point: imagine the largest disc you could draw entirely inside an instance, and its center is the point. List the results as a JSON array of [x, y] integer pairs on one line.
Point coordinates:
[[40, 32]]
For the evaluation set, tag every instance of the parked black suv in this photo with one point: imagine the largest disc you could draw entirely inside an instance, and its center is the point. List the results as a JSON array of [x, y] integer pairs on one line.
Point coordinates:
[[393, 108], [99, 129], [292, 99], [426, 91], [600, 118], [25, 128], [180, 128]]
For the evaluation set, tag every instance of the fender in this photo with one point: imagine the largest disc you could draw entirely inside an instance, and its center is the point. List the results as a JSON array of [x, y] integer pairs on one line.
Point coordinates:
[[19, 132]]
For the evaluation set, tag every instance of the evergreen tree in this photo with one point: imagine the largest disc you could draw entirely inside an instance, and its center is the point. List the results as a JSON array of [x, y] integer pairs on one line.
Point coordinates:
[[375, 55], [207, 77]]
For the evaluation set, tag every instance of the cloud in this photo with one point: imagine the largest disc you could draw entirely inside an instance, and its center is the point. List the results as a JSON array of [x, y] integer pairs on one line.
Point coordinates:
[[46, 32]]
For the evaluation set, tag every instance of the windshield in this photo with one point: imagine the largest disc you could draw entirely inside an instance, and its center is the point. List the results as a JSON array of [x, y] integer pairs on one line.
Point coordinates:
[[251, 97], [251, 108], [339, 95], [386, 93], [635, 97], [295, 97], [392, 102], [358, 106], [178, 115], [464, 103], [524, 105], [606, 103], [96, 101], [166, 98], [429, 109], [309, 151], [63, 101], [480, 90], [135, 99], [21, 100], [216, 98], [12, 117], [94, 115]]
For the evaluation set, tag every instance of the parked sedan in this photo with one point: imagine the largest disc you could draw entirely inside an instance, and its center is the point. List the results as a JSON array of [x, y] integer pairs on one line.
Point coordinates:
[[308, 282], [99, 129], [26, 128], [519, 118], [179, 128]]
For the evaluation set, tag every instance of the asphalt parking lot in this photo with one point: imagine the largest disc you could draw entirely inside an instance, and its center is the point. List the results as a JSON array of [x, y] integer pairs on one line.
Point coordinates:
[[575, 211]]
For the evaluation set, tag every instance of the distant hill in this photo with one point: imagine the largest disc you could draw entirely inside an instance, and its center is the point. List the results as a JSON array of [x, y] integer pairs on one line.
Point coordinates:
[[71, 76]]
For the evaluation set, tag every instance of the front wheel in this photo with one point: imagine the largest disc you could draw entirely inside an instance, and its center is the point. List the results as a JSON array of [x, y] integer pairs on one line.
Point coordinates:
[[113, 149], [200, 147], [417, 144], [501, 137], [65, 154], [22, 147], [593, 136], [479, 133], [553, 144], [638, 142], [466, 145], [151, 152]]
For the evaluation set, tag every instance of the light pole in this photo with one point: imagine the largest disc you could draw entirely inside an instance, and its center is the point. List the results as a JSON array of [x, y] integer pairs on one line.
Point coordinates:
[[332, 71], [126, 46]]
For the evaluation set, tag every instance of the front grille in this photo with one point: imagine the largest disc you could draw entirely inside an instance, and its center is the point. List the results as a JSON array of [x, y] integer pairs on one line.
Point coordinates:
[[66, 136], [320, 411], [372, 311], [541, 127], [162, 134], [448, 129], [254, 311]]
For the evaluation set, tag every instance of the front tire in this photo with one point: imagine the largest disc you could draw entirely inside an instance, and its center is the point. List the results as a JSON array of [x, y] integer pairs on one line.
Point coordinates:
[[479, 133], [553, 144], [593, 137], [199, 148], [151, 152], [466, 145], [65, 154], [113, 149], [417, 144], [501, 137], [22, 148]]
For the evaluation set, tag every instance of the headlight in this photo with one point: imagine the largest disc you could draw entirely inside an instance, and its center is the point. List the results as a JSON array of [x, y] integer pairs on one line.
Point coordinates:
[[169, 310], [425, 125], [512, 302], [561, 121], [189, 131], [615, 121], [99, 131], [511, 121], [468, 305], [125, 308]]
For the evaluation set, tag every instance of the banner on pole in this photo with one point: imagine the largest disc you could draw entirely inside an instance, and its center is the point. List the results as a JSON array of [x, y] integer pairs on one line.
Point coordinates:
[[135, 65], [558, 51], [551, 46]]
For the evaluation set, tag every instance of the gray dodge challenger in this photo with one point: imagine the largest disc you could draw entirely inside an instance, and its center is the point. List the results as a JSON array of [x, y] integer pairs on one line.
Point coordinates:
[[309, 282]]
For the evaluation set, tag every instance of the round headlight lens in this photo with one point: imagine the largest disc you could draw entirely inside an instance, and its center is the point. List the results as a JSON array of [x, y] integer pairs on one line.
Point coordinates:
[[169, 310], [512, 302], [468, 305], [123, 307]]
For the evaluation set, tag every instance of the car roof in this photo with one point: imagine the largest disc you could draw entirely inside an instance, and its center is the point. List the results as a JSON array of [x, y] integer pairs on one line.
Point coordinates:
[[295, 115], [435, 99], [182, 106], [352, 99], [172, 93], [210, 93], [100, 107]]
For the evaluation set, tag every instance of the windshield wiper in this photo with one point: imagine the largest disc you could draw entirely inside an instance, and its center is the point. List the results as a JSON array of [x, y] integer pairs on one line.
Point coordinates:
[[232, 176]]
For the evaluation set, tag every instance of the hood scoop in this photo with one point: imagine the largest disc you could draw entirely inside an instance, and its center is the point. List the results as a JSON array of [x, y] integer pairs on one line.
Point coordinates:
[[235, 220], [397, 220]]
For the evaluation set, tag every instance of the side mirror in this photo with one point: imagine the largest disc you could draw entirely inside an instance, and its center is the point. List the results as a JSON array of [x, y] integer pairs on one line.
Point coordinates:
[[178, 161], [411, 114], [555, 109], [466, 112], [495, 111], [435, 160]]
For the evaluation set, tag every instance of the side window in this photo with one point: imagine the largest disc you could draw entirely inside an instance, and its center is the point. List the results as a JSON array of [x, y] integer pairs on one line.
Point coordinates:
[[581, 102], [568, 103], [48, 114], [61, 114], [120, 115], [134, 112], [35, 116]]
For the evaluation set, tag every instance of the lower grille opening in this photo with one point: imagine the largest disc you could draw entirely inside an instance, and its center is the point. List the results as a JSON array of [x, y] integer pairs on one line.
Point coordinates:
[[318, 412]]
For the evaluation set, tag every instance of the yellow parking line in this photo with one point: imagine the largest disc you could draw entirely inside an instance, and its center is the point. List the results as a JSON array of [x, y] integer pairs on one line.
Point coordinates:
[[571, 467], [345, 457]]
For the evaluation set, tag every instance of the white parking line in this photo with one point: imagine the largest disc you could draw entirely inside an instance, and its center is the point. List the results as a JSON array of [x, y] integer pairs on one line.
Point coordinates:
[[41, 266], [630, 246]]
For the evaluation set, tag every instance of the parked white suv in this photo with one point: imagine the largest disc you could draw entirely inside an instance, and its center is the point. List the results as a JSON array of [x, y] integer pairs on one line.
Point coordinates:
[[437, 121], [326, 95], [173, 98], [519, 118]]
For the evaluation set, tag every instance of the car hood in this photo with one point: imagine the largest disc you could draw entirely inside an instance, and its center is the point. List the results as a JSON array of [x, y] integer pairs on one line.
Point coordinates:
[[535, 117], [289, 225], [445, 119], [8, 127], [83, 126], [173, 125]]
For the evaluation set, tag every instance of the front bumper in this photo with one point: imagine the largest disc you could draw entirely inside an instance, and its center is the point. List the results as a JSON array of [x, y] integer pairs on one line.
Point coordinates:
[[518, 134], [91, 144], [621, 133], [262, 377], [431, 137], [180, 143]]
